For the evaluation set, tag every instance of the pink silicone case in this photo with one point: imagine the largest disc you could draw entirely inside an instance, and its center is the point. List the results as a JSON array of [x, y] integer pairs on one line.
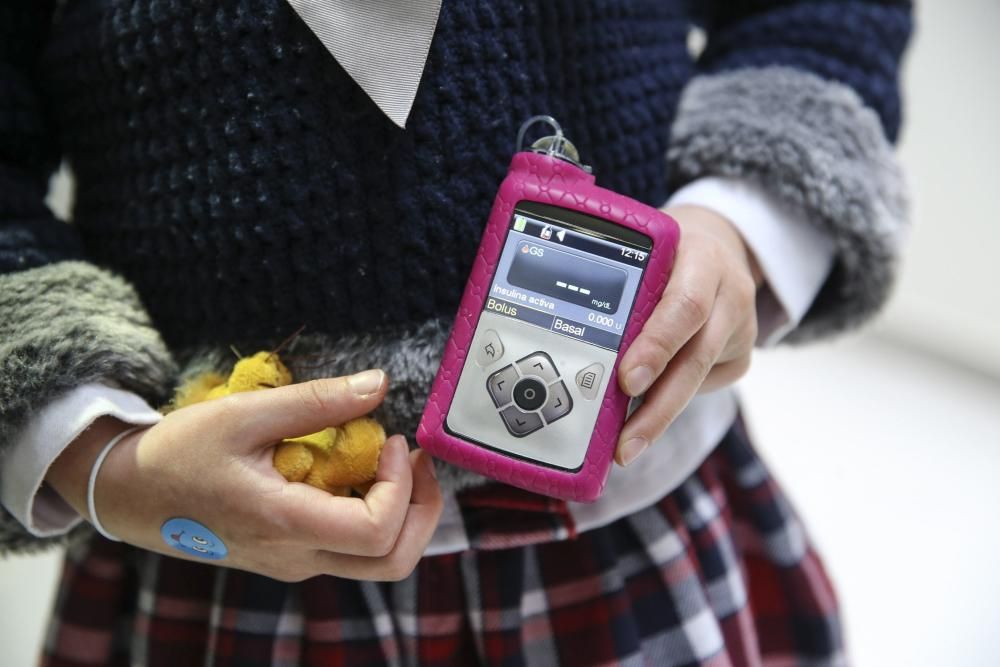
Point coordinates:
[[539, 178]]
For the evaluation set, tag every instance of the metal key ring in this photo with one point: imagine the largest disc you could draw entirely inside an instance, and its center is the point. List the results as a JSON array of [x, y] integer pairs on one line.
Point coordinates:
[[557, 145]]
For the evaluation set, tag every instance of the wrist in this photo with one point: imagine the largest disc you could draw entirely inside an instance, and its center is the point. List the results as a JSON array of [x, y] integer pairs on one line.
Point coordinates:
[[722, 227], [70, 472]]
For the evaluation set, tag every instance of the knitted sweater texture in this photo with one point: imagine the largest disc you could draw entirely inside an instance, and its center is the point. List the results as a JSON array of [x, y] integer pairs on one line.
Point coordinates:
[[231, 171]]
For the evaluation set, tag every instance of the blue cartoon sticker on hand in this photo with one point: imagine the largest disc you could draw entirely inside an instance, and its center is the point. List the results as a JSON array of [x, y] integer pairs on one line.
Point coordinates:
[[192, 538]]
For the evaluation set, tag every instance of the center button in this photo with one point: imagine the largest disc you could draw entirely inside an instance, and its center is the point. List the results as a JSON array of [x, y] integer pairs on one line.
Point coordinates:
[[529, 393]]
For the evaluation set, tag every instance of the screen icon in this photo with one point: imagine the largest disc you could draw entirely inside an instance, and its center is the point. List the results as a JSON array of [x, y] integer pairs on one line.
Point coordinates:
[[546, 233], [519, 223], [561, 235]]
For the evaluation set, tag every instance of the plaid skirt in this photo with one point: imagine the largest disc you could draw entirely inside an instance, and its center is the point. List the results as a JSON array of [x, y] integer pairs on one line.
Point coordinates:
[[719, 572]]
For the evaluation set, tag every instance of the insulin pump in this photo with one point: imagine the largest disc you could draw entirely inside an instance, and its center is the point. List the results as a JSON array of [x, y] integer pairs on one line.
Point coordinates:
[[566, 274]]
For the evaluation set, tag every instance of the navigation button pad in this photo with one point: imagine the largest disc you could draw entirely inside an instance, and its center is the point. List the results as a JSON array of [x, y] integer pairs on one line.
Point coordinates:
[[474, 412], [529, 394]]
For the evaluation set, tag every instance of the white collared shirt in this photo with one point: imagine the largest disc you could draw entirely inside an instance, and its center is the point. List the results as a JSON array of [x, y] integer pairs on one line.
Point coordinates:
[[381, 44]]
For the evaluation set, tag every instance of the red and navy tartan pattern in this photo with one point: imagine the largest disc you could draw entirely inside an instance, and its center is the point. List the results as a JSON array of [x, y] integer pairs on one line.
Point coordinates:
[[720, 572]]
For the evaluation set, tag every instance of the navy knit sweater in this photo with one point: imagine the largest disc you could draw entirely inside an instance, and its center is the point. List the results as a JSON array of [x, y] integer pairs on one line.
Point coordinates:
[[233, 172], [233, 183]]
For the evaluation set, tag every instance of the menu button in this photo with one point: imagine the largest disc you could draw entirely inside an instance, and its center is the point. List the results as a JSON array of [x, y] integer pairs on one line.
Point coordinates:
[[589, 379]]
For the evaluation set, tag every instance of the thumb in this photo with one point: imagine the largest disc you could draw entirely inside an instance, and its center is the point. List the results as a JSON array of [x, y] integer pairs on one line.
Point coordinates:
[[265, 416]]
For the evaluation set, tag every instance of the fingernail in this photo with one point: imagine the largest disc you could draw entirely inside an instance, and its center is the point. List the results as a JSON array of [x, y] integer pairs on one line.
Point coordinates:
[[638, 380], [367, 382], [630, 450]]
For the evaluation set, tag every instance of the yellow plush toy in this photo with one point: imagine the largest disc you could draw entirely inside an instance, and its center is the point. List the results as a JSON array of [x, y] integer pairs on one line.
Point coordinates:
[[336, 459]]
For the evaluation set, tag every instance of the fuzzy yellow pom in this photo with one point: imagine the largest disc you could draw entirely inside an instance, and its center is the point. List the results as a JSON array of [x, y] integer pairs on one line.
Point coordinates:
[[293, 460], [354, 459], [321, 440], [263, 370], [335, 459], [196, 390]]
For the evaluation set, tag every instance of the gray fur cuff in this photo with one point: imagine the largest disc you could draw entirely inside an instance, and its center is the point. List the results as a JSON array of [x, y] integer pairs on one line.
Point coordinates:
[[63, 325], [815, 145]]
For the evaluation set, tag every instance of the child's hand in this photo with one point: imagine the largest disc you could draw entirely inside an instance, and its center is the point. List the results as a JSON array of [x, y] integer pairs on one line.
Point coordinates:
[[701, 334], [211, 462]]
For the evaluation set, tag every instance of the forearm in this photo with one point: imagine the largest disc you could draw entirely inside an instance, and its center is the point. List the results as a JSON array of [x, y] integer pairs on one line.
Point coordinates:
[[69, 474]]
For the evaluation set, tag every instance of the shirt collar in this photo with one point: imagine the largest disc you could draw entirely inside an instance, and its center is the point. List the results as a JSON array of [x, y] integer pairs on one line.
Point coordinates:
[[381, 44]]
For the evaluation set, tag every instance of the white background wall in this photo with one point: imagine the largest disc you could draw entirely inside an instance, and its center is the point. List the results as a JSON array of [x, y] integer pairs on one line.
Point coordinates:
[[889, 442], [949, 296]]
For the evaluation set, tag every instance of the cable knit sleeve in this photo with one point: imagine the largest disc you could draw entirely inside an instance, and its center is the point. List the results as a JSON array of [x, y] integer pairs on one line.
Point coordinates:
[[803, 98], [64, 322]]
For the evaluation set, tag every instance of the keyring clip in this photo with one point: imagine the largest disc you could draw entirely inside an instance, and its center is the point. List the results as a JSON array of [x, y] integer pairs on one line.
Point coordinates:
[[557, 145]]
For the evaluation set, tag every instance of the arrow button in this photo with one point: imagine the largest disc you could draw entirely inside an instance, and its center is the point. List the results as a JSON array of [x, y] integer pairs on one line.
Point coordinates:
[[501, 385], [518, 423], [559, 403], [540, 364]]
